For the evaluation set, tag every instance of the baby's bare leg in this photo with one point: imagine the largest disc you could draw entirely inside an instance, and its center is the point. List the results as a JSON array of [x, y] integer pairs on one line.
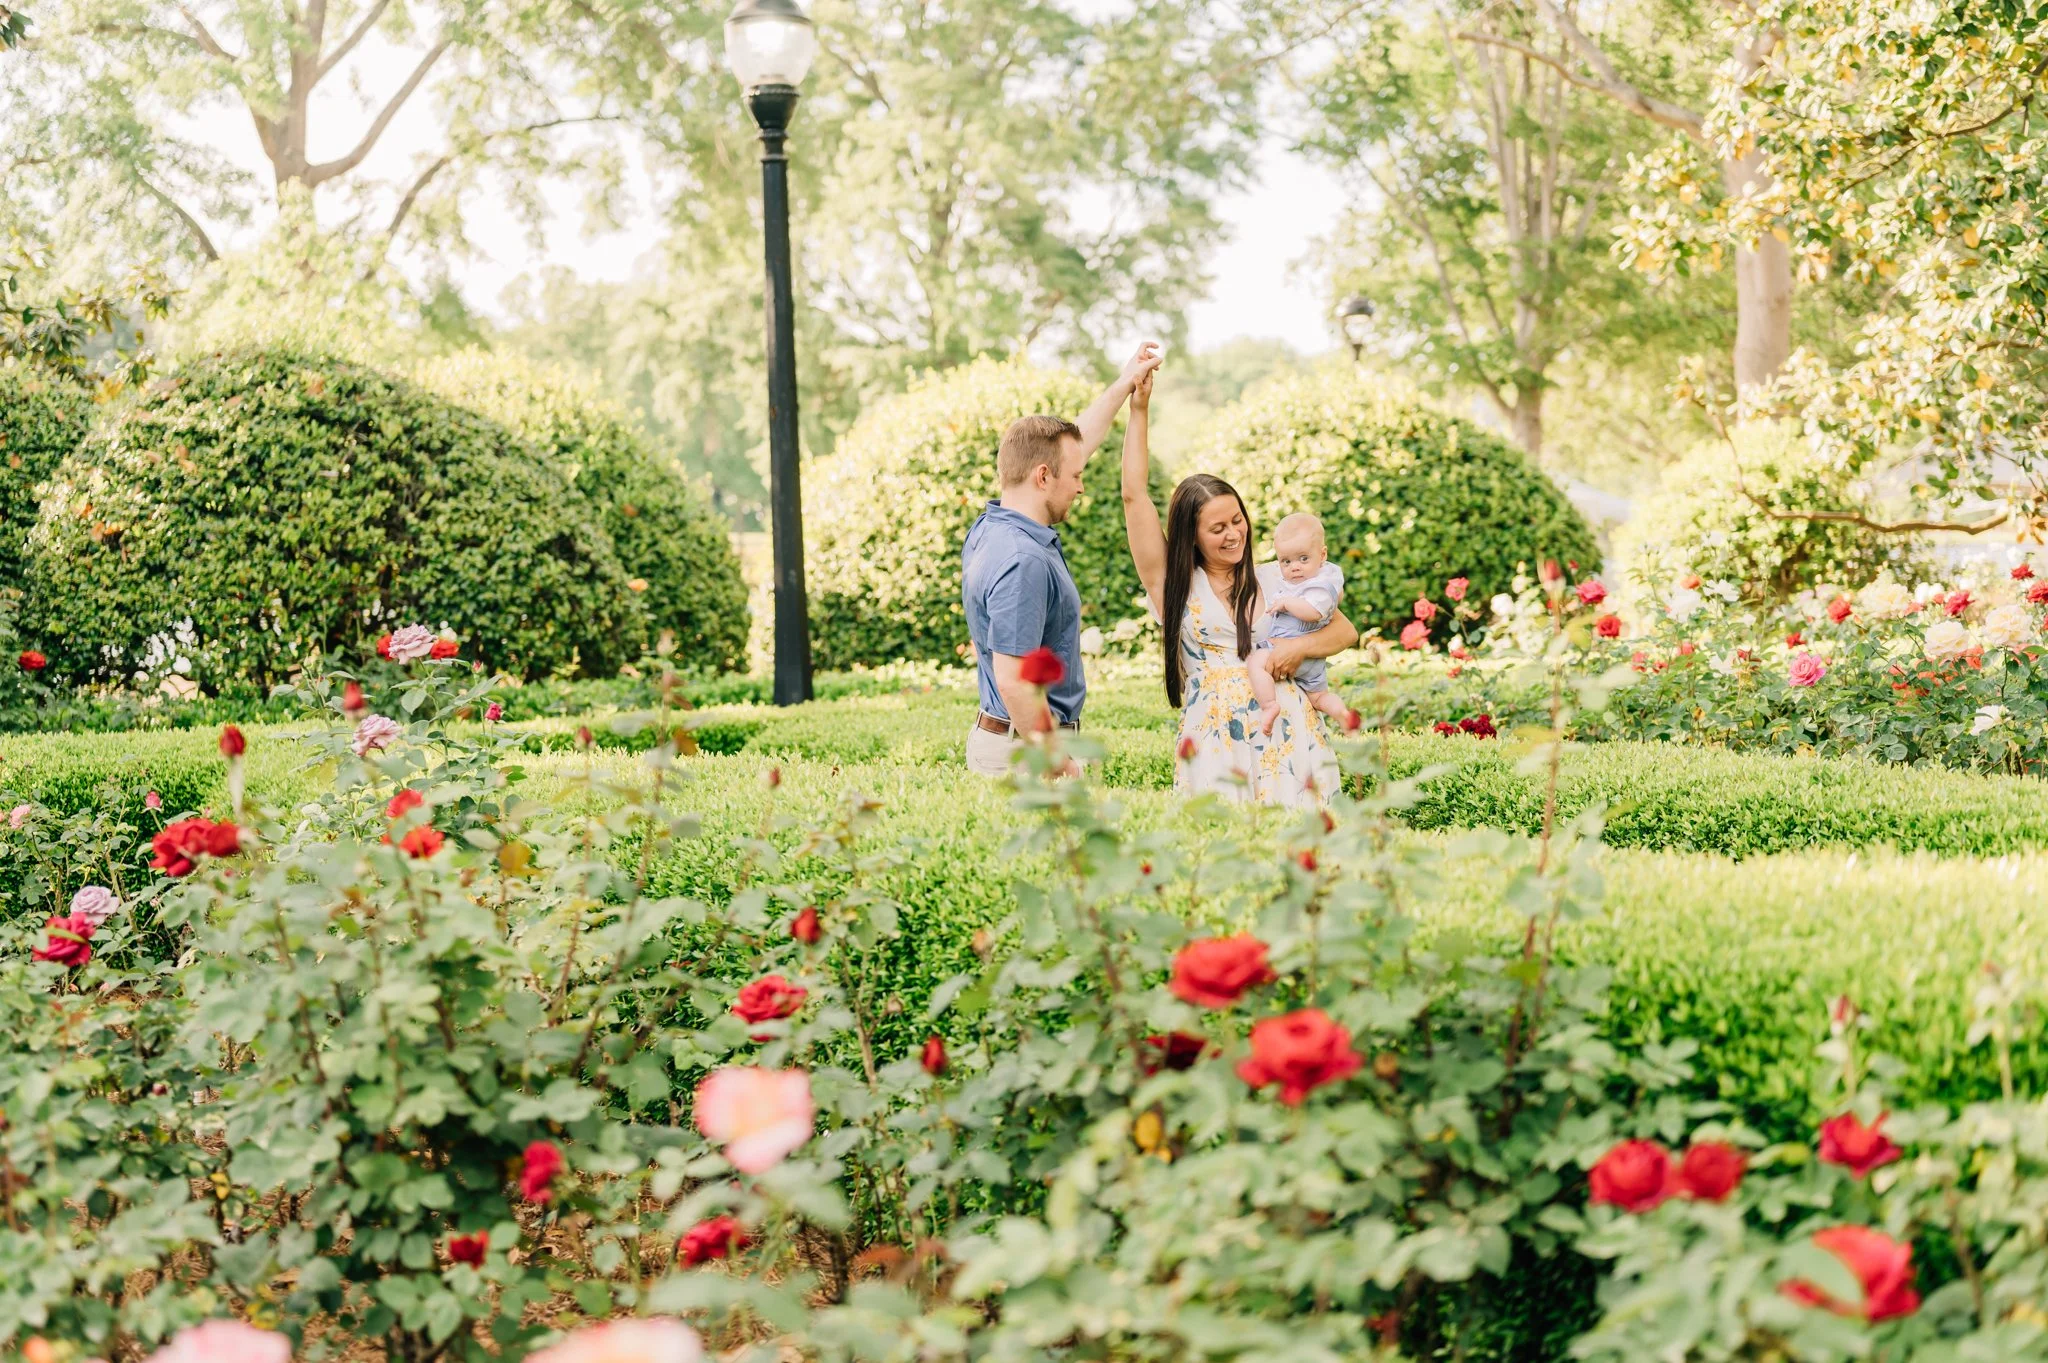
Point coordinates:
[[1260, 666], [1330, 703]]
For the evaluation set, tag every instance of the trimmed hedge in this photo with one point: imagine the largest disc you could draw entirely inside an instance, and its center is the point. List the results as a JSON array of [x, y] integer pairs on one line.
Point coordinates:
[[1409, 497], [42, 419], [664, 535], [886, 514], [252, 508]]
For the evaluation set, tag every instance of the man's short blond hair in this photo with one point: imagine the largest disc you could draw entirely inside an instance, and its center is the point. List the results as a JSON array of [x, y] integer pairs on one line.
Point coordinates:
[[1031, 441], [1300, 523]]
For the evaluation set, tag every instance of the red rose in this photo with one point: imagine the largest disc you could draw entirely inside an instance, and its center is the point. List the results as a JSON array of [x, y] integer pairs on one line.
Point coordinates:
[[1550, 574], [771, 996], [1711, 1170], [1687, 648], [1882, 1265], [1794, 639], [708, 1240], [444, 648], [583, 736], [1041, 667], [178, 846], [537, 1170], [1445, 727], [232, 744], [1186, 748], [1608, 627], [223, 840], [1958, 602], [933, 1057], [1634, 1176], [1479, 726], [469, 1249], [66, 943], [2038, 593], [1592, 591], [1858, 1148], [1215, 971], [403, 803], [384, 647], [1299, 1052], [1457, 587], [1308, 862], [1839, 609], [32, 661], [422, 842], [352, 700], [805, 928], [1170, 1051]]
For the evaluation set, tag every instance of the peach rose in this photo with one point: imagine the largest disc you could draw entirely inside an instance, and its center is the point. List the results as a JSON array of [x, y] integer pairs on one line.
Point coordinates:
[[658, 1340], [758, 1115]]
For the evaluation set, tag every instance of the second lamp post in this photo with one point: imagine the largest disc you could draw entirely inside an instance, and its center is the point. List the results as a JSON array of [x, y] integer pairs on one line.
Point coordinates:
[[770, 44]]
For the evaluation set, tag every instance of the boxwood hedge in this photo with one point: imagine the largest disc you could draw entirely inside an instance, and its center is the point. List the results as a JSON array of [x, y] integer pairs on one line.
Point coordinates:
[[252, 508], [665, 536], [43, 417], [886, 513], [1409, 496]]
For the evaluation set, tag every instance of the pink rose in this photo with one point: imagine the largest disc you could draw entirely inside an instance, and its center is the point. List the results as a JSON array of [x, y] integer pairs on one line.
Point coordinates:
[[95, 904], [19, 815], [152, 801], [1425, 609], [1457, 587], [225, 1341], [1592, 591], [655, 1340], [410, 644], [375, 732], [1807, 669], [1414, 634], [758, 1115]]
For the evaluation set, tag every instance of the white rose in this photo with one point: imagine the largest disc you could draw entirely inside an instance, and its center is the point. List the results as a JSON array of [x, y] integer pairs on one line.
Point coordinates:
[[1988, 718], [1127, 629], [1947, 640], [1683, 604], [1927, 591], [1503, 604], [1091, 641], [1885, 600], [2007, 627]]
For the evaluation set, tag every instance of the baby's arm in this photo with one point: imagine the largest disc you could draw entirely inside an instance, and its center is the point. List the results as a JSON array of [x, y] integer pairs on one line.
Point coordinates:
[[1312, 606]]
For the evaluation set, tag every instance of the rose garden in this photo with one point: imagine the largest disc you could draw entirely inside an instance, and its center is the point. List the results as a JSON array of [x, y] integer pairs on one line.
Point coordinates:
[[424, 937]]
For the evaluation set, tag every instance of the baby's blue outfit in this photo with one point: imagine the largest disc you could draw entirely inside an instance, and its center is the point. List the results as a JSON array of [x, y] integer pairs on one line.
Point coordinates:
[[1325, 589]]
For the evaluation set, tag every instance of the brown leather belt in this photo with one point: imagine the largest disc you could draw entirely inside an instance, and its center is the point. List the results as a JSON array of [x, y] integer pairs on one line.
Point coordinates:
[[984, 720]]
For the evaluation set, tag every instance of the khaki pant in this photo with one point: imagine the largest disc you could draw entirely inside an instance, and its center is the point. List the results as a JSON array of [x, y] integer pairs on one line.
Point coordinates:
[[989, 754]]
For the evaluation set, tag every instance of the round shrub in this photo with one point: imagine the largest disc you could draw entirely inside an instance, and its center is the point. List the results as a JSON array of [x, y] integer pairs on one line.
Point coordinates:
[[252, 508], [663, 533], [886, 513], [1703, 520], [43, 417], [1409, 497]]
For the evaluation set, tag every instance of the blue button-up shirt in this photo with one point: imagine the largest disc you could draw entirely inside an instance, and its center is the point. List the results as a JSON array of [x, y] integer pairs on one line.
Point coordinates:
[[1020, 596]]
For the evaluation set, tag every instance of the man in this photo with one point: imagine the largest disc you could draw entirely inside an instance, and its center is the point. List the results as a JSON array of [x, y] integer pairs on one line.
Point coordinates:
[[1014, 582]]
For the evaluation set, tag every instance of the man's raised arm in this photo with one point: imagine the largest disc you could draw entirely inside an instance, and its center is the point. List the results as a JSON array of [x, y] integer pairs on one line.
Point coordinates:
[[1101, 413]]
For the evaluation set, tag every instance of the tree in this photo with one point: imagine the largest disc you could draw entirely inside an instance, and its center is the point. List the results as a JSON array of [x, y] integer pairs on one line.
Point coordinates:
[[1496, 180], [1908, 150], [1763, 263]]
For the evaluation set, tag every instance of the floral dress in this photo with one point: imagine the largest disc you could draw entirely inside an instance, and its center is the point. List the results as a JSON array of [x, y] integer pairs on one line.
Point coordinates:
[[1231, 758]]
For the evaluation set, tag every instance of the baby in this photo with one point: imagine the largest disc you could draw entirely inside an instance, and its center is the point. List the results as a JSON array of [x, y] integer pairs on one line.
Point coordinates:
[[1315, 585]]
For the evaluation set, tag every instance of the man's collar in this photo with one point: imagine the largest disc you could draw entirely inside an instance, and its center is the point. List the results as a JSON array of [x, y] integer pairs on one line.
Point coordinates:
[[1044, 534]]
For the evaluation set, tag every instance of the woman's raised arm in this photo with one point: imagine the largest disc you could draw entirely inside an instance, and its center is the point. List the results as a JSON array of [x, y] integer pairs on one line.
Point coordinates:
[[1141, 518]]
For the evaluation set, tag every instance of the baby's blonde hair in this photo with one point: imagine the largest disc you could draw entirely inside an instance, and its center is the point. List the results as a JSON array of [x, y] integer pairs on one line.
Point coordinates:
[[1300, 521]]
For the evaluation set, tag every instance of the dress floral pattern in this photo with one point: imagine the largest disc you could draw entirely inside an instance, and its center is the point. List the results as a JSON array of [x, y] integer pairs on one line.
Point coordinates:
[[1293, 768]]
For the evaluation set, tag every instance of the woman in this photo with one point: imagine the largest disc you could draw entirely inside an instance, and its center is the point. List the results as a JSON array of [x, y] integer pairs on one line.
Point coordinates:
[[1198, 575]]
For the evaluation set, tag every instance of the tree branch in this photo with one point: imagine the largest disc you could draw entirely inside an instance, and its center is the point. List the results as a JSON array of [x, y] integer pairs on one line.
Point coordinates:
[[348, 44], [327, 170], [1881, 527], [204, 242], [1617, 87], [201, 36]]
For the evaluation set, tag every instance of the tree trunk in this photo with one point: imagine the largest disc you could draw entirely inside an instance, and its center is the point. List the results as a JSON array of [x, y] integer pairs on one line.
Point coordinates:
[[1525, 421], [1763, 287]]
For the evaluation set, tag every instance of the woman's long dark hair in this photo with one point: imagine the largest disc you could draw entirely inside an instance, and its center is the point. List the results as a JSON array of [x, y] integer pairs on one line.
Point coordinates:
[[1183, 515]]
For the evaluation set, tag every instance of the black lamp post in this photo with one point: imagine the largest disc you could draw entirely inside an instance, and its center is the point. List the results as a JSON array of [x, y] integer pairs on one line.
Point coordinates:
[[770, 44], [1354, 314]]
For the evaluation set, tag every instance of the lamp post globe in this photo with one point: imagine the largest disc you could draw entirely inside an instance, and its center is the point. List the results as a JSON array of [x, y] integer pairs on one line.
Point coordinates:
[[770, 45], [1354, 314]]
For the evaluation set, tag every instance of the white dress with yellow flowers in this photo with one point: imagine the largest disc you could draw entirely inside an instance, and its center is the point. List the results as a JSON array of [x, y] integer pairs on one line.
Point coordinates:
[[1230, 757]]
